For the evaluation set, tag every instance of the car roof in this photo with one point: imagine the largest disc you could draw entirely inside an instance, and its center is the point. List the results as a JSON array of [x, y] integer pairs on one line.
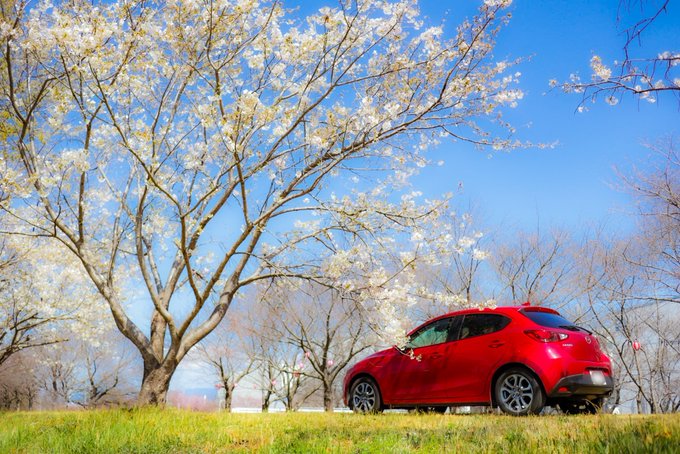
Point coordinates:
[[499, 309], [489, 310]]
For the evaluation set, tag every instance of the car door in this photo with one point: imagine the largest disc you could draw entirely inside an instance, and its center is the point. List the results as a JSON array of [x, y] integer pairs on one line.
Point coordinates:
[[414, 373], [479, 348]]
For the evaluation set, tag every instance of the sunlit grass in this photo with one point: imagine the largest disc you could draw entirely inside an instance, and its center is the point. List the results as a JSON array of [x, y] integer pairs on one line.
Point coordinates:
[[161, 431]]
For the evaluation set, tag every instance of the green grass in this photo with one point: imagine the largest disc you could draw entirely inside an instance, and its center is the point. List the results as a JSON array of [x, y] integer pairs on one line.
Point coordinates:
[[161, 431]]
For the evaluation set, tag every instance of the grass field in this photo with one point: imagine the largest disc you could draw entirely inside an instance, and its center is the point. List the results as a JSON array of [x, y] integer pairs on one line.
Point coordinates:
[[152, 431]]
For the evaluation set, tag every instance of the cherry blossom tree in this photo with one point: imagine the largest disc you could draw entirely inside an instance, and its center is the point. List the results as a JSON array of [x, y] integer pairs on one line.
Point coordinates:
[[643, 73], [279, 376], [42, 298], [462, 269], [183, 150], [20, 317], [452, 273]]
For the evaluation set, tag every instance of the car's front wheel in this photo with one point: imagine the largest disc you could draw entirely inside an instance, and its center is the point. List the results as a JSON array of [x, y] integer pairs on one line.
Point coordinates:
[[365, 396], [517, 392]]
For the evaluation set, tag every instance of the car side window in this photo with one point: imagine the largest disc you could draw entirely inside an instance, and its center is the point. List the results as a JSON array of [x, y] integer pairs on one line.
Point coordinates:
[[480, 324], [435, 333], [454, 327]]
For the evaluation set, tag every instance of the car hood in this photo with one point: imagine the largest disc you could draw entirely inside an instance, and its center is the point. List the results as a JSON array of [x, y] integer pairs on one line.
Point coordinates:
[[377, 357]]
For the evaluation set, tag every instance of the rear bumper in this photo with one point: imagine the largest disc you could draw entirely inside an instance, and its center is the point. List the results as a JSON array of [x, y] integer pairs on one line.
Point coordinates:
[[582, 385]]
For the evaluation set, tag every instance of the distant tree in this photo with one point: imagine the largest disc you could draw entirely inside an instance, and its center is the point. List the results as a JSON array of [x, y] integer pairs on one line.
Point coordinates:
[[291, 386], [279, 365], [57, 375], [18, 387], [282, 379], [632, 287], [85, 372], [535, 267], [657, 193], [106, 373], [622, 316], [327, 325], [267, 384], [231, 353]]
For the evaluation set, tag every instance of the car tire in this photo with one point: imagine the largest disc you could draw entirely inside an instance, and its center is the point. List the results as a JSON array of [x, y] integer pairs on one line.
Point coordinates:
[[364, 396], [517, 392]]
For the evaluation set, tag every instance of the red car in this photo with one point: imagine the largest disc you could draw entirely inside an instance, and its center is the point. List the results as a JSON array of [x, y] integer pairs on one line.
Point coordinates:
[[518, 359]]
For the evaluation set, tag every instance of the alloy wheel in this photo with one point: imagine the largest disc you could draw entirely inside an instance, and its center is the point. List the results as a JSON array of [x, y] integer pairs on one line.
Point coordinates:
[[516, 392], [364, 398]]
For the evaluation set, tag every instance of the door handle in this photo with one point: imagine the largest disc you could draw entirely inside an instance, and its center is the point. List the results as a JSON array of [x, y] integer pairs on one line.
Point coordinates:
[[496, 344]]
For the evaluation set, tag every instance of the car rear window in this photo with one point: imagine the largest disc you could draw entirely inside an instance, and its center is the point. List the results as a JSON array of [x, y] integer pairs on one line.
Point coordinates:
[[552, 320], [548, 319]]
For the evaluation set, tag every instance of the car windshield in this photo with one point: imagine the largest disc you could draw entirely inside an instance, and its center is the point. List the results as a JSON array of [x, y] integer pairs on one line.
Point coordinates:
[[435, 333], [551, 320]]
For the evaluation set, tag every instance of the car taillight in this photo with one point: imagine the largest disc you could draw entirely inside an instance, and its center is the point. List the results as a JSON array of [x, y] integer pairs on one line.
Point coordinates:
[[544, 335]]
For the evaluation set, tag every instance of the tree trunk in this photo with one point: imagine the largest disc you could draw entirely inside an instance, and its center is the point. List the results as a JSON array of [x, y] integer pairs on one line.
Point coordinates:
[[638, 401], [266, 397], [228, 398], [31, 396], [327, 397], [155, 384], [289, 403]]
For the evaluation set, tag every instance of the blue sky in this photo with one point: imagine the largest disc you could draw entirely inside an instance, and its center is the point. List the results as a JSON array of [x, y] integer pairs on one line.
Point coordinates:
[[571, 185]]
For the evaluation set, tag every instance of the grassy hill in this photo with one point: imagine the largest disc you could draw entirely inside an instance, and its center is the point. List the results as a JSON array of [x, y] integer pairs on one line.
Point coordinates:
[[160, 431]]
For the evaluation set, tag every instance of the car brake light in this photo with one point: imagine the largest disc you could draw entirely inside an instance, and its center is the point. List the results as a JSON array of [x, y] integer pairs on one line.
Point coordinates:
[[544, 335]]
